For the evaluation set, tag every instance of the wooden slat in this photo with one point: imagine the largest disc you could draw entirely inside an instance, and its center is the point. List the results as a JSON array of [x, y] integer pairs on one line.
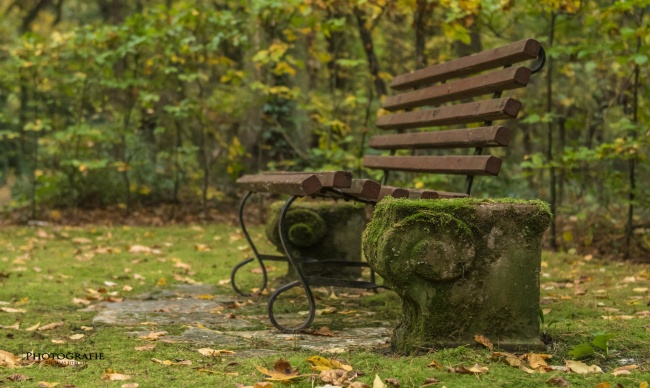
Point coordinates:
[[495, 136], [394, 192], [489, 110], [479, 85], [363, 188], [433, 194], [291, 184], [336, 179], [461, 165], [506, 55]]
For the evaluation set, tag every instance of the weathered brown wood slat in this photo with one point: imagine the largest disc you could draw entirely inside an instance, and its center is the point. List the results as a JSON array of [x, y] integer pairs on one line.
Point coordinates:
[[291, 184], [494, 136], [363, 188], [433, 194], [335, 179], [462, 165], [489, 110], [513, 53], [506, 79], [394, 192]]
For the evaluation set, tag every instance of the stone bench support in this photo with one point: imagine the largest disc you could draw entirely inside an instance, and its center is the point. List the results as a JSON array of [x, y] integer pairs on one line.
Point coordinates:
[[462, 267]]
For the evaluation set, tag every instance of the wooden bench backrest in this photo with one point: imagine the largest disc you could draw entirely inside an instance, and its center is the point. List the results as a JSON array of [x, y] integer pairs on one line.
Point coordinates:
[[440, 84]]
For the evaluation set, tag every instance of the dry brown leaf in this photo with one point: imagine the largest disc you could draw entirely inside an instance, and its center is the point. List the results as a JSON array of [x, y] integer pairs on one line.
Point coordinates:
[[32, 328], [582, 368], [484, 341], [130, 385], [321, 364], [76, 336], [84, 302], [169, 362], [429, 381], [434, 364], [604, 384], [145, 348], [12, 310], [58, 341], [153, 335], [393, 382], [81, 240], [323, 331], [139, 249], [282, 371], [8, 359], [336, 377], [535, 360], [558, 381], [86, 328], [111, 375], [51, 326], [358, 384]]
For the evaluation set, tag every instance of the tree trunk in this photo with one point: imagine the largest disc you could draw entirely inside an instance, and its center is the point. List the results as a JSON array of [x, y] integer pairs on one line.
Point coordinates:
[[373, 64], [549, 145]]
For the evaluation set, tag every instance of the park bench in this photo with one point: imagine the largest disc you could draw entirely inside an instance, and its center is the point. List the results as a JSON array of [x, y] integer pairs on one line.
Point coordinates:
[[437, 86]]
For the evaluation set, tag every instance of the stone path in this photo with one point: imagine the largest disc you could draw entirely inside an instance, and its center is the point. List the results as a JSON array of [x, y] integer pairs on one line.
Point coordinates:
[[207, 320]]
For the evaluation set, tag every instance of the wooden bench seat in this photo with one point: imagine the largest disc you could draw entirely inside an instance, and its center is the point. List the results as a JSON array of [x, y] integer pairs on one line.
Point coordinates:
[[464, 92]]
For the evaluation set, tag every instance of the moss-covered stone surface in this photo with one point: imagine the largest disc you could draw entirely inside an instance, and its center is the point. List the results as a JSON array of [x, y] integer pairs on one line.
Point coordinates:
[[462, 267], [321, 230]]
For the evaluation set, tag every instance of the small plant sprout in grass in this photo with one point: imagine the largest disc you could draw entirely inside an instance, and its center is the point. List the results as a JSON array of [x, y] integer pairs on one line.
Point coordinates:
[[584, 350]]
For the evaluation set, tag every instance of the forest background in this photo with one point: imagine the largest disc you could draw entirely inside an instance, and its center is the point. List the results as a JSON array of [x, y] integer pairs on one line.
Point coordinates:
[[131, 104]]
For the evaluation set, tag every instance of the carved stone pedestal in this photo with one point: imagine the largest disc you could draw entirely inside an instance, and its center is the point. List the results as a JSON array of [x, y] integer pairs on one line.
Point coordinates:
[[462, 267]]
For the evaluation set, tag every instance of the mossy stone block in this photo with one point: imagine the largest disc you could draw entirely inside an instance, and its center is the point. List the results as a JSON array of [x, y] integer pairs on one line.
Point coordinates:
[[462, 267], [322, 230]]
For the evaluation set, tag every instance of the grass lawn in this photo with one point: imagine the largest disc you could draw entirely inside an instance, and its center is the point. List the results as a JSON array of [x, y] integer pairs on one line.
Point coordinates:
[[50, 274]]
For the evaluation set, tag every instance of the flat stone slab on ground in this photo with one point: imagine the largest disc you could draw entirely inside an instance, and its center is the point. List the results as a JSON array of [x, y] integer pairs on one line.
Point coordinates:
[[166, 312]]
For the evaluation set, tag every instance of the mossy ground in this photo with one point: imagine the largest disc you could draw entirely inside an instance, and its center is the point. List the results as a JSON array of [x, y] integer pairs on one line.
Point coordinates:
[[43, 274]]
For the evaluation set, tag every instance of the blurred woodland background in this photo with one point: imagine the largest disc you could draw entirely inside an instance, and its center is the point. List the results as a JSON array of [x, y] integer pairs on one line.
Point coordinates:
[[137, 103]]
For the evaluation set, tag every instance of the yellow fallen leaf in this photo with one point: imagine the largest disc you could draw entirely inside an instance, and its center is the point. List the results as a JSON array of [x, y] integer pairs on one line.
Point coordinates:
[[76, 336], [434, 364], [321, 363], [84, 302], [640, 289], [32, 328], [111, 375], [476, 369], [86, 328], [582, 368], [145, 348], [15, 326], [604, 384], [168, 362], [45, 384], [130, 385], [153, 335], [58, 342], [643, 384], [378, 383], [535, 360], [51, 326], [8, 359], [214, 353], [161, 282], [12, 310], [624, 370]]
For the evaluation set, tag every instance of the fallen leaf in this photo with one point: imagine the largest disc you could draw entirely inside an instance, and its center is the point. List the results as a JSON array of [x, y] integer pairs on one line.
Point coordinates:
[[358, 384], [640, 289], [145, 348], [130, 385], [321, 363], [434, 364], [17, 377], [378, 383], [201, 247], [86, 328], [624, 370], [45, 384], [393, 382], [32, 328], [127, 288], [336, 377], [51, 326], [15, 326], [509, 358], [604, 384], [111, 375], [12, 310], [582, 368], [476, 369], [153, 335], [76, 336], [139, 249], [84, 302], [323, 331], [8, 359], [81, 240], [535, 360], [558, 381], [644, 384], [169, 362], [429, 381], [282, 371], [484, 341], [214, 353], [161, 282], [58, 342]]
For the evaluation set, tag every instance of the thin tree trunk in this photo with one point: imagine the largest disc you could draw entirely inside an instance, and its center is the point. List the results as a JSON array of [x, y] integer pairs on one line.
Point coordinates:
[[369, 48], [549, 145], [422, 14]]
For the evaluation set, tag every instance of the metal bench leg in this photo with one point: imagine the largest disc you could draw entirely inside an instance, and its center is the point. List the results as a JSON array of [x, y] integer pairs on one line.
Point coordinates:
[[256, 254], [301, 282]]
